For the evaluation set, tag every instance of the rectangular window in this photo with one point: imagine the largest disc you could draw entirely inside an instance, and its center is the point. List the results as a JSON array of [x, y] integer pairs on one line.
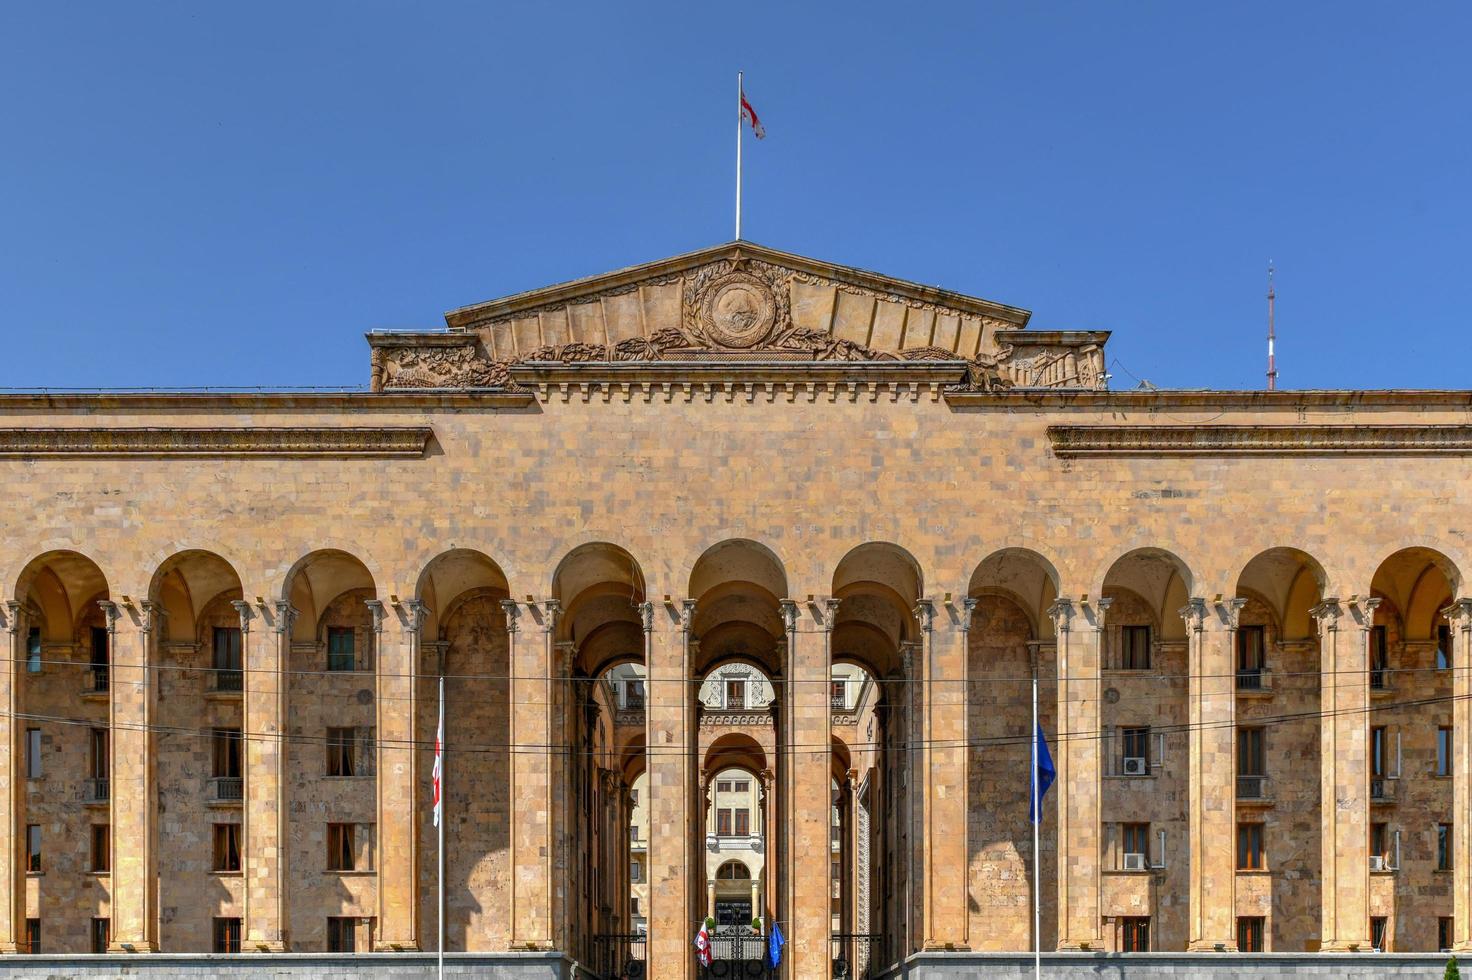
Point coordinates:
[[1379, 659], [743, 822], [342, 850], [1249, 934], [1251, 758], [735, 694], [741, 786], [101, 656], [634, 833], [723, 823], [1443, 647], [226, 753], [636, 871], [342, 934], [1134, 653], [101, 935], [838, 695], [99, 755], [1443, 847], [1378, 934], [33, 651], [101, 847], [33, 848], [341, 654], [1136, 758], [1377, 750], [1444, 933], [33, 936], [1444, 752], [633, 797], [33, 753], [227, 847], [1134, 934], [1380, 842], [1135, 845], [1251, 653], [227, 935], [1249, 847], [228, 666], [723, 786], [340, 744]]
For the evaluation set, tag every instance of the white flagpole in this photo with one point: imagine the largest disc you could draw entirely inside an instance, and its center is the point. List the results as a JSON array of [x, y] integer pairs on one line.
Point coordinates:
[[440, 747], [739, 95], [1037, 812]]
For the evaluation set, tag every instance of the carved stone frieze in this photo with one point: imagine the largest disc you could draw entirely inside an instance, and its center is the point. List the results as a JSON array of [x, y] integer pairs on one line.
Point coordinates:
[[221, 441], [1255, 440], [442, 367]]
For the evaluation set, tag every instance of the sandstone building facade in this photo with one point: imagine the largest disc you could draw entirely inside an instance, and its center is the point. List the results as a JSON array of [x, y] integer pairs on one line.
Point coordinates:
[[1245, 613]]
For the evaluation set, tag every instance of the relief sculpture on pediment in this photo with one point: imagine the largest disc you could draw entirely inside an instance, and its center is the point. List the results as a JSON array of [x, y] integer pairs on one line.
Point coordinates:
[[737, 305]]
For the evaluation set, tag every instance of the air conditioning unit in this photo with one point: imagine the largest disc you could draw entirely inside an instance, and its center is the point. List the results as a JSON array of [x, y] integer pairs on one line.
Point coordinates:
[[1377, 863], [1134, 862], [1134, 766]]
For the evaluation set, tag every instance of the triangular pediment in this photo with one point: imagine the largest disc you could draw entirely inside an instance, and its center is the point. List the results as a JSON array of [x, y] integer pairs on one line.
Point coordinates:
[[742, 300]]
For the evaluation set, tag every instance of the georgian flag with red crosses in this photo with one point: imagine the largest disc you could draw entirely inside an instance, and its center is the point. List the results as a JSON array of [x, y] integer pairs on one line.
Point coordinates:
[[749, 114]]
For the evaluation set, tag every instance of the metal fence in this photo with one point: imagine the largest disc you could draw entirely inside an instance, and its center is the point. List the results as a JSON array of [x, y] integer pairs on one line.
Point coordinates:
[[620, 956], [853, 954]]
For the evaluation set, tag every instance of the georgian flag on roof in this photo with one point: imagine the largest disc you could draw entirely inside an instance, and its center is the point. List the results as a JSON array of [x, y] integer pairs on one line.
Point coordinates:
[[749, 114]]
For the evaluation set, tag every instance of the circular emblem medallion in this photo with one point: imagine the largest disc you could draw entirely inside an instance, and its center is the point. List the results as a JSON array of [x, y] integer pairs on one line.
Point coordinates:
[[738, 311]]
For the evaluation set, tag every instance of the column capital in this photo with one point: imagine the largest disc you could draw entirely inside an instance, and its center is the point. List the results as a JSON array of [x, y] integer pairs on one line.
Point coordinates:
[[687, 615], [286, 615], [966, 610], [15, 611], [1061, 613], [924, 612], [112, 611], [245, 612], [415, 612], [1327, 613], [1459, 614], [789, 614], [375, 608], [1362, 609], [512, 609], [1194, 613], [830, 613]]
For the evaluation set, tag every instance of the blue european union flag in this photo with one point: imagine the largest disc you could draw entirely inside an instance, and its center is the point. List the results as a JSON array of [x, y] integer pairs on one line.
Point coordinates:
[[775, 942], [1042, 778]]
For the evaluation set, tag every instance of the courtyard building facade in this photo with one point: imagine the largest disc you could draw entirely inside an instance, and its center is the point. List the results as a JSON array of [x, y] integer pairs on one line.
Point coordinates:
[[740, 568]]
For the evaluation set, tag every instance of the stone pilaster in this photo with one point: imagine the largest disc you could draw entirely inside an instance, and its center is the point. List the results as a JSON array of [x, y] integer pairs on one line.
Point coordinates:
[[265, 657], [1459, 617], [943, 692], [396, 656], [669, 736], [1344, 761], [531, 629], [809, 765], [12, 784], [133, 791], [1211, 634], [1079, 628]]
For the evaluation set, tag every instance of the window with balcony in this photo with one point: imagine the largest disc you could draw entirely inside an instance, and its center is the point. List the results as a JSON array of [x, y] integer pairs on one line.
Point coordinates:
[[229, 673], [1134, 648], [634, 694], [227, 935], [99, 761], [101, 848], [1251, 657], [1134, 934], [1379, 659], [101, 660], [341, 743], [1444, 752], [838, 695], [1135, 760], [33, 848], [227, 847], [1443, 847], [225, 764], [1250, 933], [1250, 855], [341, 648], [735, 694], [1251, 764], [1378, 741]]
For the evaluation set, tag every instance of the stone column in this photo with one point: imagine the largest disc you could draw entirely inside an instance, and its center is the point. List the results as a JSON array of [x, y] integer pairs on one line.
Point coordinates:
[[534, 712], [669, 712], [1459, 617], [396, 706], [1344, 759], [266, 660], [710, 898], [133, 792], [944, 733], [1077, 761], [809, 766], [1211, 635], [13, 784]]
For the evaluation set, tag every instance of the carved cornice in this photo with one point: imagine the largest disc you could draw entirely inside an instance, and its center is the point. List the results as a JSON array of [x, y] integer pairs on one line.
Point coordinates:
[[1074, 441], [294, 442]]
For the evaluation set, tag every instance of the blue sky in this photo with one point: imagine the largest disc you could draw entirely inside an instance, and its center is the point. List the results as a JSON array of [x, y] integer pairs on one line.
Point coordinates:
[[210, 194]]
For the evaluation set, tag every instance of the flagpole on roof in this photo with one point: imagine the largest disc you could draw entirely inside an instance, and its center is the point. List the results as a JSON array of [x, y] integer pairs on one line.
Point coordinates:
[[440, 825], [740, 94]]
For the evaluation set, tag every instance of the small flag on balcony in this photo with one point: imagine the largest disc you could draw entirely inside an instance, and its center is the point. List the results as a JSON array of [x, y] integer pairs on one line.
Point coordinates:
[[1042, 777], [702, 945], [439, 751]]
